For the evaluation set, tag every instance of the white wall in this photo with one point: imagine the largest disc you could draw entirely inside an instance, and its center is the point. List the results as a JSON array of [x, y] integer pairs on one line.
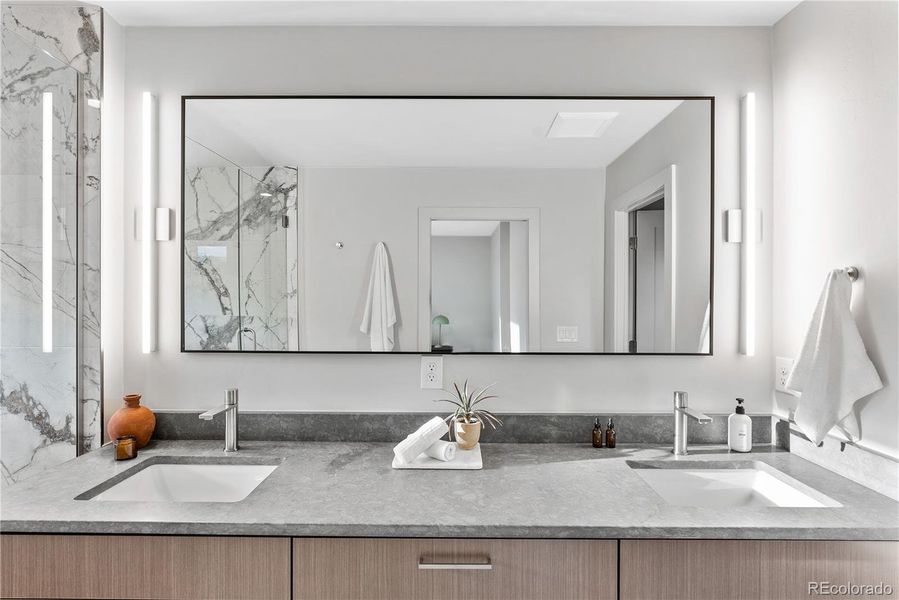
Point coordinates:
[[496, 291], [680, 139], [460, 289], [500, 255], [112, 215], [835, 188], [724, 62], [519, 274]]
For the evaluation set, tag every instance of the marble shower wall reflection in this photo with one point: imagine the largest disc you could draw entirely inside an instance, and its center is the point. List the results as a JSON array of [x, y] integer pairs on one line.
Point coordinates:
[[48, 49], [241, 258]]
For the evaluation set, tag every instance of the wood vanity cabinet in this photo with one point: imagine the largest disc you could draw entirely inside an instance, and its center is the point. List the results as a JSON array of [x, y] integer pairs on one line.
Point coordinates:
[[747, 569], [263, 568], [431, 569], [172, 567]]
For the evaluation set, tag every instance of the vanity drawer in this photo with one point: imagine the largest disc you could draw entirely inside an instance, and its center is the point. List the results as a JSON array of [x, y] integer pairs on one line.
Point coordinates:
[[425, 569], [752, 569], [112, 566]]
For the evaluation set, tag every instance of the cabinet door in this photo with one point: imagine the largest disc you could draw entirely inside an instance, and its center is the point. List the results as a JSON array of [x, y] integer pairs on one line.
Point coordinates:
[[101, 566], [426, 569], [751, 569]]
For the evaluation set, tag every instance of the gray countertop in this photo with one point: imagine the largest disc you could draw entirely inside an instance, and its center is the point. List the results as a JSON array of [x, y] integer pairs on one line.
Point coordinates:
[[524, 490]]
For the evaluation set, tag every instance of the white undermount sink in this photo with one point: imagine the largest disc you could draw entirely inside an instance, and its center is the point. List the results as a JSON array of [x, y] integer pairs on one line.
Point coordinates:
[[730, 484], [186, 482]]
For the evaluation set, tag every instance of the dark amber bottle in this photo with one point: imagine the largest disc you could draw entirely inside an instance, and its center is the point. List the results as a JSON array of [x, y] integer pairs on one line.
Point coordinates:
[[610, 435], [597, 433]]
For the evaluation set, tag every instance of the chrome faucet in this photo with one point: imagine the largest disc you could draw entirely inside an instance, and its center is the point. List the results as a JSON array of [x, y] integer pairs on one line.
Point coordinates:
[[681, 413], [230, 410]]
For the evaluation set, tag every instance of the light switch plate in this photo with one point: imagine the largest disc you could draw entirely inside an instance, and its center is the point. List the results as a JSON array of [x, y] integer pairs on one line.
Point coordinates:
[[566, 333], [432, 372], [783, 367]]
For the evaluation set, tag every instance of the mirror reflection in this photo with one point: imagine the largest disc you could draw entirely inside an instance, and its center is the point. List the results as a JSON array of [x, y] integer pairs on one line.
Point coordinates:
[[490, 310], [448, 225]]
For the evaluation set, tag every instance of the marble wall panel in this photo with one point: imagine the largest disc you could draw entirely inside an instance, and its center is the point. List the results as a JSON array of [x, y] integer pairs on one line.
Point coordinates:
[[56, 49]]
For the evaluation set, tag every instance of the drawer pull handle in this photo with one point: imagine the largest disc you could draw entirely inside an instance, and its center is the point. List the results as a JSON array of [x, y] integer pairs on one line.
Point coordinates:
[[444, 566]]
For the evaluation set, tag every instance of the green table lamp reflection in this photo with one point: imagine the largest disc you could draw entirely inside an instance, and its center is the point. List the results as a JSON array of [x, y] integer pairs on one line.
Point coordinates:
[[440, 321]]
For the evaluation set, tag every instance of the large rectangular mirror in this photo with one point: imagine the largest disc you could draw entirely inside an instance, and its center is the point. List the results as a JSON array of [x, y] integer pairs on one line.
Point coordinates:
[[449, 225]]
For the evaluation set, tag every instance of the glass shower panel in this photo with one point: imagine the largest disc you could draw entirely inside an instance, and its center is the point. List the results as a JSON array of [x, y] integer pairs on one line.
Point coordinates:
[[241, 254], [40, 257], [268, 258], [211, 265]]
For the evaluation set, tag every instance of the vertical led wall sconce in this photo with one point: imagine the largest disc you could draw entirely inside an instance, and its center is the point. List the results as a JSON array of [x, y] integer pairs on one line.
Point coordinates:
[[149, 176], [47, 222], [152, 224], [751, 229]]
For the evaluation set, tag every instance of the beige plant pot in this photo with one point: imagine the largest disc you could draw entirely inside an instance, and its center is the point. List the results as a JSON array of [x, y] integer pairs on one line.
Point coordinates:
[[467, 434]]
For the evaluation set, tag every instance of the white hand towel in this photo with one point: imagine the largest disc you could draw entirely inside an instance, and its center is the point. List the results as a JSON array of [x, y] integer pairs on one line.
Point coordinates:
[[833, 370], [380, 307], [442, 450], [416, 443]]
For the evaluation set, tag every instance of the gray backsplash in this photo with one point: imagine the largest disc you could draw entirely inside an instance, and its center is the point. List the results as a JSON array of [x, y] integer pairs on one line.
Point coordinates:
[[386, 427]]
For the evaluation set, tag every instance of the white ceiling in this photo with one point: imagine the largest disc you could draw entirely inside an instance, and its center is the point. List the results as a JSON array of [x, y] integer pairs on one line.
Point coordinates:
[[381, 133], [232, 13]]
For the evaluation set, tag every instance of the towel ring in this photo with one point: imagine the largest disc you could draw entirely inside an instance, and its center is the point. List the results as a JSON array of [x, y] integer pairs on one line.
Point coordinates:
[[852, 272]]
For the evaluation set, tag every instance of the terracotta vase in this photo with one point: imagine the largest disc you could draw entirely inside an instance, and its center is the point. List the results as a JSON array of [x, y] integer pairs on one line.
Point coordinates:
[[467, 434], [132, 419]]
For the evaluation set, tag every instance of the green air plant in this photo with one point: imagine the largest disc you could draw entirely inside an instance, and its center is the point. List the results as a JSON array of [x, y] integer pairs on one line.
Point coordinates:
[[466, 402]]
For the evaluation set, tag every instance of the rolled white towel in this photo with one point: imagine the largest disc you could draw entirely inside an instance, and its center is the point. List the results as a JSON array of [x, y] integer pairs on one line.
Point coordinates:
[[416, 443], [442, 450]]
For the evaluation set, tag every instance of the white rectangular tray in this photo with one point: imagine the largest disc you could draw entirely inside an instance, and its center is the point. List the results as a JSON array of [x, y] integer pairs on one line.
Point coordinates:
[[464, 459]]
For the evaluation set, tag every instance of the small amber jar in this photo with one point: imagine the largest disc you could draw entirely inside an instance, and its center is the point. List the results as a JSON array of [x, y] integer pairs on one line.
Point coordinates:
[[611, 435], [125, 447], [597, 434]]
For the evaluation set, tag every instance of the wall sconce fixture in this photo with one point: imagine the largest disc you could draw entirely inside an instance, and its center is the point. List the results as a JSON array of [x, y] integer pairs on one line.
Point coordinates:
[[152, 223], [47, 222], [751, 225]]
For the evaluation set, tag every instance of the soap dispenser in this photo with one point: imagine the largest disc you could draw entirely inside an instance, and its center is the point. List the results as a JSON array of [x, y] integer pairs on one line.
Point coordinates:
[[739, 429]]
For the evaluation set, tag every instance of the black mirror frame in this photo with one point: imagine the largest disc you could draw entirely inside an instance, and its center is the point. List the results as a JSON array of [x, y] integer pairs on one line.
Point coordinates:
[[709, 99]]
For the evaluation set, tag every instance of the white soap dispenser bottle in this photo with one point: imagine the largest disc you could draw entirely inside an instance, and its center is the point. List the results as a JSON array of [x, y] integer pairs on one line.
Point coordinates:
[[739, 429]]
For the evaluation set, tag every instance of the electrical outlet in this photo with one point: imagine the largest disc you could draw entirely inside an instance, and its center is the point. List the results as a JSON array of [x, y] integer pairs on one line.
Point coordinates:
[[783, 367], [432, 372]]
